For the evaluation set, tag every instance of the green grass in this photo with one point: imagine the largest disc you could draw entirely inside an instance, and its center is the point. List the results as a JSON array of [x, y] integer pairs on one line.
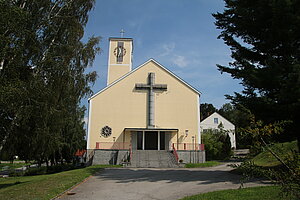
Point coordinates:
[[206, 164], [44, 186], [254, 193], [266, 159]]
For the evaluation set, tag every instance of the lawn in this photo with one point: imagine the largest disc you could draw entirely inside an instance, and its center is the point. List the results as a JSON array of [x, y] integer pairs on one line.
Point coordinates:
[[254, 193], [44, 186], [266, 159], [206, 164]]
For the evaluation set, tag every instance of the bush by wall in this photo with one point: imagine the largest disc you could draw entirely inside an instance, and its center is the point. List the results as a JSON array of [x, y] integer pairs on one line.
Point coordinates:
[[217, 145]]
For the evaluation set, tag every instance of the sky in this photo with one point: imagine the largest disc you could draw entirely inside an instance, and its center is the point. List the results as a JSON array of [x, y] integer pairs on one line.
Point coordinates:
[[179, 34]]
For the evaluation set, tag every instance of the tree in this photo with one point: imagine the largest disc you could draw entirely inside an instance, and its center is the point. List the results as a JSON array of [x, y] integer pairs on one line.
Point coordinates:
[[241, 118], [264, 38], [43, 78], [206, 110]]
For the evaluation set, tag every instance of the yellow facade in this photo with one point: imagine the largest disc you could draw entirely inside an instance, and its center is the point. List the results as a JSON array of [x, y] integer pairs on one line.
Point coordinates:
[[120, 106]]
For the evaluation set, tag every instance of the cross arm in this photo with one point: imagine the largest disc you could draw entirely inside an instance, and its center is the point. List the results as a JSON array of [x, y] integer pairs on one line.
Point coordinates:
[[162, 87], [141, 86]]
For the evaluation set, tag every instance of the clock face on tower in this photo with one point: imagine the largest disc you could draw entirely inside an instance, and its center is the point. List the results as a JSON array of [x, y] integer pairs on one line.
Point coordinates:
[[119, 51]]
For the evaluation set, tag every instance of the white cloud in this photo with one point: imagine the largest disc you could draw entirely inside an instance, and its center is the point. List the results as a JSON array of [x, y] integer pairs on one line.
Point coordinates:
[[167, 49], [180, 61], [133, 24]]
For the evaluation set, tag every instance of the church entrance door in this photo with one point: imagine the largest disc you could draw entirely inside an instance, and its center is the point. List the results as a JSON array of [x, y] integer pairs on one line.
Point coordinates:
[[151, 140]]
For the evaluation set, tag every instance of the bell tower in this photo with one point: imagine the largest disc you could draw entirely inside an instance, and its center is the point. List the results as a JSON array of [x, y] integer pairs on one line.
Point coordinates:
[[119, 58]]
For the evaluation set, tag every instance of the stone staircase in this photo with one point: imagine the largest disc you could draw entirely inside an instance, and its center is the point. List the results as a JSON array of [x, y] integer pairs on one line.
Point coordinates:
[[153, 158]]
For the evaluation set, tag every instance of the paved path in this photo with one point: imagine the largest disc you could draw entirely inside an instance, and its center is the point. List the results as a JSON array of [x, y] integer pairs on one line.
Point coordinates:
[[152, 183]]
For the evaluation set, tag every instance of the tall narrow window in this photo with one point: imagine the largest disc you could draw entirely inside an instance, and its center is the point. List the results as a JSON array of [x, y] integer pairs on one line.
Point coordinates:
[[120, 52]]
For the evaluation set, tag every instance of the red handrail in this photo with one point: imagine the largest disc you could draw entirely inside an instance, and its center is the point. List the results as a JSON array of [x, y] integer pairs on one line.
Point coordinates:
[[175, 152], [190, 146], [130, 151]]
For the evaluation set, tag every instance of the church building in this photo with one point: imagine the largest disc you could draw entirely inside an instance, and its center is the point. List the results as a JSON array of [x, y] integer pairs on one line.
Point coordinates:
[[144, 117]]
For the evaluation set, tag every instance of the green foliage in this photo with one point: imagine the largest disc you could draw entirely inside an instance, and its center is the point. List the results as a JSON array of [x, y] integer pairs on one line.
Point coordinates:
[[206, 110], [258, 133], [43, 78], [206, 164], [241, 118], [264, 40], [236, 114], [217, 144], [253, 193]]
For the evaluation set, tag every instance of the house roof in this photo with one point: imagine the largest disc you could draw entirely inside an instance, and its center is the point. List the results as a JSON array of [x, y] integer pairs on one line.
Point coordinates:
[[215, 113], [142, 65]]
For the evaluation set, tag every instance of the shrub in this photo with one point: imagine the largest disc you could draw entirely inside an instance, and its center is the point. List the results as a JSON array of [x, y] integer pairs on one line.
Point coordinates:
[[217, 145]]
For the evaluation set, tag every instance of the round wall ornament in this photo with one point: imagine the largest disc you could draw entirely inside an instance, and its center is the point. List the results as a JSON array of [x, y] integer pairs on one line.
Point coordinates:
[[106, 131]]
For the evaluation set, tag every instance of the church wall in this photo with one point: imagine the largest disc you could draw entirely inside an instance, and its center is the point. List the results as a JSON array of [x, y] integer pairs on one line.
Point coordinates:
[[191, 156], [116, 72], [110, 157], [120, 106]]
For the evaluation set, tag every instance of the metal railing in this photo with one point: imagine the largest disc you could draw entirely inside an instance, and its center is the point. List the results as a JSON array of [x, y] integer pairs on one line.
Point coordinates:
[[189, 146], [113, 145], [130, 151], [175, 152]]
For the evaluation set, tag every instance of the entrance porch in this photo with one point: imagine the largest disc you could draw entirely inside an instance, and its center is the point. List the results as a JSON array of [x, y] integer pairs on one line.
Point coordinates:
[[142, 147], [151, 139]]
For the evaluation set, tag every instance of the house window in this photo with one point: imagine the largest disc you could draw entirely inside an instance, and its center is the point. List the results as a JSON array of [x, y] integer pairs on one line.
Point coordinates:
[[215, 120]]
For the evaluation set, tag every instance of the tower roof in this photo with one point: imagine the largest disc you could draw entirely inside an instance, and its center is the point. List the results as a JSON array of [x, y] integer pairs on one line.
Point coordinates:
[[119, 39]]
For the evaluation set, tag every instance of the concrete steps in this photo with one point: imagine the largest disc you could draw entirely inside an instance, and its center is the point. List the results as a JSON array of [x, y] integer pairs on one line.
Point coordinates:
[[153, 158]]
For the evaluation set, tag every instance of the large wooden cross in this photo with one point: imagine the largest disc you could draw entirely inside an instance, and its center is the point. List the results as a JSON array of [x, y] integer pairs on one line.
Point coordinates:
[[151, 87]]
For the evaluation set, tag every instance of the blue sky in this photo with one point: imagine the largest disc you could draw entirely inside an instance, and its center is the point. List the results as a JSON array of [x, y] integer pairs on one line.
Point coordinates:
[[179, 34]]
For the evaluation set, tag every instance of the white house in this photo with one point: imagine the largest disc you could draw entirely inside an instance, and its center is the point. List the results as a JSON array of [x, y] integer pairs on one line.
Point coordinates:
[[213, 122]]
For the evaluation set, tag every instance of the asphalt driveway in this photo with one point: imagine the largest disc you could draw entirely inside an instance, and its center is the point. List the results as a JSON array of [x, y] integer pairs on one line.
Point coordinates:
[[153, 183]]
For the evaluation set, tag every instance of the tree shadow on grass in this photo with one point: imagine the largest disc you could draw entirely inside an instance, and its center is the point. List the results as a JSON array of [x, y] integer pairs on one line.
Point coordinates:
[[5, 185]]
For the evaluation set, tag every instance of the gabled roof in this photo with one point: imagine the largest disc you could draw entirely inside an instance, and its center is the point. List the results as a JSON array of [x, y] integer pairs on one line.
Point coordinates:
[[215, 113], [142, 65]]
